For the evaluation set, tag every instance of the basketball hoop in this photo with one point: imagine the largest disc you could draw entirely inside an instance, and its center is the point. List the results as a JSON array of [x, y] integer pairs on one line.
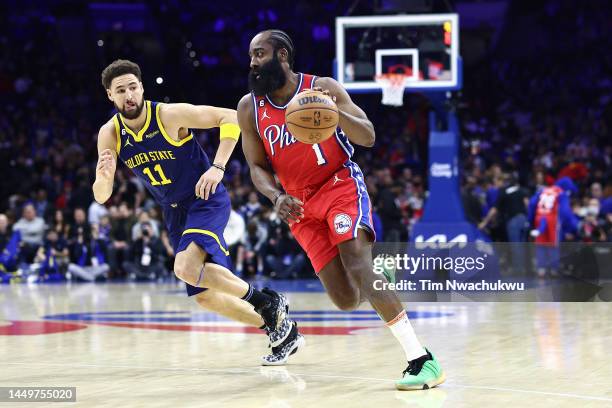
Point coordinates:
[[393, 86]]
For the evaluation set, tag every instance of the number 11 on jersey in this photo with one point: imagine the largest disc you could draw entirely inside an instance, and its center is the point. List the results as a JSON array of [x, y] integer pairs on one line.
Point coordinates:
[[319, 153], [158, 169]]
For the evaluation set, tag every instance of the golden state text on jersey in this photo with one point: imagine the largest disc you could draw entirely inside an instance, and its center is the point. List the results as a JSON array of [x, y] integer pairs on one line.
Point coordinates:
[[168, 168]]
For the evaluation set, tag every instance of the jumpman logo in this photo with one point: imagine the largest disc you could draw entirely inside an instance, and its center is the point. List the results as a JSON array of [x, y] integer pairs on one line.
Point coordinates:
[[265, 115], [127, 142], [336, 179]]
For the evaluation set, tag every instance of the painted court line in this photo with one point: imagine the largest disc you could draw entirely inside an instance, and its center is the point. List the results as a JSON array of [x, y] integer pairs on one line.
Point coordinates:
[[341, 377], [553, 394]]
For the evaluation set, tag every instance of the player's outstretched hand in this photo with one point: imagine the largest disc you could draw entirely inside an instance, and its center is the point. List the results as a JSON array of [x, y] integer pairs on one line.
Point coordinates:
[[106, 165], [208, 183], [289, 209]]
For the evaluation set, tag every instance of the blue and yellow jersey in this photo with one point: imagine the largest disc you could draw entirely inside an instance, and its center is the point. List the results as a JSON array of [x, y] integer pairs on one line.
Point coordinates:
[[168, 168]]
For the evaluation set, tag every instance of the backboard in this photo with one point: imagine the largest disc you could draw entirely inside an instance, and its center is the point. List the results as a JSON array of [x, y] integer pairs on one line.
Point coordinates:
[[424, 47]]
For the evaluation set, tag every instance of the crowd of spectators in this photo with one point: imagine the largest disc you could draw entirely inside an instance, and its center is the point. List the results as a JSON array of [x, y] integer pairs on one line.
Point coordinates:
[[548, 117], [527, 118]]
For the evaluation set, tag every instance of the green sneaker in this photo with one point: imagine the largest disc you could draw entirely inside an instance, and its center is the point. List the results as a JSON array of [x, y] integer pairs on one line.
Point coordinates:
[[423, 373]]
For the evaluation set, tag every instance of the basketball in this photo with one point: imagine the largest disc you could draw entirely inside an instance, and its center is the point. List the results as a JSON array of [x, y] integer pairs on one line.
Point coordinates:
[[311, 117]]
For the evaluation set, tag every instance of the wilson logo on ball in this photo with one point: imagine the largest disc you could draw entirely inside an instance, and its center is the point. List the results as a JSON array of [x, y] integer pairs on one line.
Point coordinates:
[[313, 99], [311, 116]]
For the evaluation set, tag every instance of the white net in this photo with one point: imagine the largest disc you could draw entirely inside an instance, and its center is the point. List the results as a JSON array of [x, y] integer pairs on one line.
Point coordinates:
[[393, 86]]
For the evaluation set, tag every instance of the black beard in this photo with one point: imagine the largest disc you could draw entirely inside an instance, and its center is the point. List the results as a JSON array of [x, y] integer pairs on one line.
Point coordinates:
[[133, 114], [271, 77]]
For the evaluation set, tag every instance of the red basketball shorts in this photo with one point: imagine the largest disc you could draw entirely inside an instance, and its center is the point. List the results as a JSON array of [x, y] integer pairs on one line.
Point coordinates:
[[552, 233], [333, 214]]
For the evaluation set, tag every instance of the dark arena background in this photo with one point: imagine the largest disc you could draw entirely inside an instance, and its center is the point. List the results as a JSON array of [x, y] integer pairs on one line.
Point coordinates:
[[490, 185]]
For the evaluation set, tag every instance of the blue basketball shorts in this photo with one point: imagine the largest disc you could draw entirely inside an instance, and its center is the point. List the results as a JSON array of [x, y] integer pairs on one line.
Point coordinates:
[[202, 222]]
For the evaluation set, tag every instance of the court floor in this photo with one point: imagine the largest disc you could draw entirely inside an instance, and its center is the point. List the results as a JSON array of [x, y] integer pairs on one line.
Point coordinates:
[[147, 345]]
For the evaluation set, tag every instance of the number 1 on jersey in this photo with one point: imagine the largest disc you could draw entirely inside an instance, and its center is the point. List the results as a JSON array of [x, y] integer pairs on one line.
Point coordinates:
[[319, 153]]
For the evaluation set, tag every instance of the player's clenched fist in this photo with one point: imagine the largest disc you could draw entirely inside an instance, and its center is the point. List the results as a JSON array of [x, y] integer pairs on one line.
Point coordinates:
[[106, 165], [289, 208]]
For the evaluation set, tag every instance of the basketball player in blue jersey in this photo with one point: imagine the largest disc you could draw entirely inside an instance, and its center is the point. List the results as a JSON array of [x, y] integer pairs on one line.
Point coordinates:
[[154, 141]]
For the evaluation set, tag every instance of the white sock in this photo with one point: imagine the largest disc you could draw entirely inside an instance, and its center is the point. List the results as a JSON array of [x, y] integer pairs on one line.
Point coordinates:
[[404, 333]]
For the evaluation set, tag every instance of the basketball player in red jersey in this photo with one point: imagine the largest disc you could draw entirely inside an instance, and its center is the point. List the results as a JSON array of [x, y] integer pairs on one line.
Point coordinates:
[[323, 197]]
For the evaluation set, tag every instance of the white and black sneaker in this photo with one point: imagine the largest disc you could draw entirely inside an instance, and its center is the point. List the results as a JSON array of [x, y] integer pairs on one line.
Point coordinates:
[[280, 354], [278, 336], [275, 311]]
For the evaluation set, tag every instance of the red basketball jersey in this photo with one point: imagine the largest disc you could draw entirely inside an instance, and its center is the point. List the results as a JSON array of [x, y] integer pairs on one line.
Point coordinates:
[[548, 209], [299, 166], [548, 203]]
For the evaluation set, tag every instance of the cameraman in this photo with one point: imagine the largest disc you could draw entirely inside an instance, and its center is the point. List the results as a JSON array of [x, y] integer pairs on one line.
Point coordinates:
[[146, 256]]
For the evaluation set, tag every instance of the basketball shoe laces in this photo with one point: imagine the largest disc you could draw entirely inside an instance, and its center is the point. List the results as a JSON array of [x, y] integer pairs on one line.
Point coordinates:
[[415, 366]]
